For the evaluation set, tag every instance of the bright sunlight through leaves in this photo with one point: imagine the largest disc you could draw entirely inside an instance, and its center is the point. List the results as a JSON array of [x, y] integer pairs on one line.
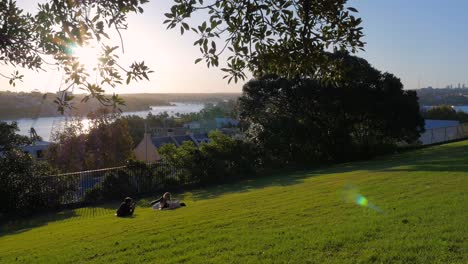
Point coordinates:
[[87, 55]]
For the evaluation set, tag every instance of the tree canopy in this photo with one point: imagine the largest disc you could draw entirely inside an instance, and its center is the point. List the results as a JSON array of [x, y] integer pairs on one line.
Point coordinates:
[[445, 112], [56, 30], [105, 143], [304, 120], [284, 37]]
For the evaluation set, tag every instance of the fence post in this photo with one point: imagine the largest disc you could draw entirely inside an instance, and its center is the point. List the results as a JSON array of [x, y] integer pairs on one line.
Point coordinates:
[[432, 136]]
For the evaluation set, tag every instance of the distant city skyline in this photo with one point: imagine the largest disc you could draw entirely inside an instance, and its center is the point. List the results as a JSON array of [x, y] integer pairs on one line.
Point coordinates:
[[448, 86], [420, 42]]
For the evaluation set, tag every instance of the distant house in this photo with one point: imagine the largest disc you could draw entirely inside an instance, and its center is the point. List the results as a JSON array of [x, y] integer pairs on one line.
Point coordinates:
[[168, 131], [37, 149], [161, 141], [222, 122], [147, 149], [179, 140], [201, 126], [212, 124], [201, 137], [193, 125]]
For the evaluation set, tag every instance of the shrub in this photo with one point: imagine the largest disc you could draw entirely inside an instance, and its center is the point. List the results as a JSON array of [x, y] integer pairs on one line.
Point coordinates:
[[223, 158], [117, 184], [93, 195], [24, 189]]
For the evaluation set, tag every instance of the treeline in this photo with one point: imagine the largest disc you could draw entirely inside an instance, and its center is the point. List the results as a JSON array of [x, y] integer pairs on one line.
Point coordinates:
[[194, 97], [35, 104], [210, 111], [445, 112], [445, 96]]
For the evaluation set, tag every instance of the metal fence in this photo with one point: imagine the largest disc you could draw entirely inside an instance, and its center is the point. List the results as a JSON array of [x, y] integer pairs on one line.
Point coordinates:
[[79, 187], [444, 134]]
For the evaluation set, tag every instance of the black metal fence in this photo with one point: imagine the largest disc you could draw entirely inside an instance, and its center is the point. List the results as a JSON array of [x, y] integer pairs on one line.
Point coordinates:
[[89, 186]]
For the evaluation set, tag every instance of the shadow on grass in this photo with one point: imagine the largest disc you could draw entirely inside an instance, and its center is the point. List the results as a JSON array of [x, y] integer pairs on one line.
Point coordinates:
[[283, 179], [23, 224], [451, 157], [443, 158]]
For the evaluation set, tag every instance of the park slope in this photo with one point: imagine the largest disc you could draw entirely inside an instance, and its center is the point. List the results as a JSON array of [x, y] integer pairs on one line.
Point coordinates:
[[404, 208]]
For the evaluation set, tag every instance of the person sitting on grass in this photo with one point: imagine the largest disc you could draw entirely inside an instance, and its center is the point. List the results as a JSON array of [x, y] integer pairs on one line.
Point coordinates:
[[126, 208], [165, 202]]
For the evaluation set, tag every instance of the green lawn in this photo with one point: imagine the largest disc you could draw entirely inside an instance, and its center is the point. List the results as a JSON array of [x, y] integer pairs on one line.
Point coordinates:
[[292, 218]]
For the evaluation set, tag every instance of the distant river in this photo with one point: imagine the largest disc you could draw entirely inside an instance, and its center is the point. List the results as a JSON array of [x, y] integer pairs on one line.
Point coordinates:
[[463, 108], [43, 125]]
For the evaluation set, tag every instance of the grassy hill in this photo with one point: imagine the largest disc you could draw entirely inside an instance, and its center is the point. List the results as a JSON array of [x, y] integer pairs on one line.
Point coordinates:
[[300, 217]]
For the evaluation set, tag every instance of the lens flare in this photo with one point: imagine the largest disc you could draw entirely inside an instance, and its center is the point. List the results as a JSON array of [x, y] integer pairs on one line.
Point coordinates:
[[362, 201], [352, 195]]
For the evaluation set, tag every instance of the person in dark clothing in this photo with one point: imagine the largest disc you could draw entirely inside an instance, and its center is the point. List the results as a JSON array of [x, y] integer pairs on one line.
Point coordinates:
[[126, 208]]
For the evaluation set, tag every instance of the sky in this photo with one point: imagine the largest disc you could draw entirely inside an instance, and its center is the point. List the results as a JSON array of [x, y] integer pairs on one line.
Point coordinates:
[[420, 41]]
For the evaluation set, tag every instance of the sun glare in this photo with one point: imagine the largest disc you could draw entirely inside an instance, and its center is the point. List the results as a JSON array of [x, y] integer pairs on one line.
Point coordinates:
[[88, 56]]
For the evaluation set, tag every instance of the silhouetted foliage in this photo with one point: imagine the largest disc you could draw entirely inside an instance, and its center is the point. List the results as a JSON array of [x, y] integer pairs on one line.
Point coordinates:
[[117, 185], [23, 187], [285, 37], [309, 121], [8, 137], [51, 35]]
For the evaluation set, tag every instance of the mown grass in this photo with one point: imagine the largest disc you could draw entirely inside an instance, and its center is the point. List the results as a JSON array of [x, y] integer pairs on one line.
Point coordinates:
[[293, 218]]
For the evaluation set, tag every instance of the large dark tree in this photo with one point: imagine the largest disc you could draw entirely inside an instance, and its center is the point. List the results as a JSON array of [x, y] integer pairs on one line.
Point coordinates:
[[292, 120], [23, 187], [384, 111], [285, 37], [303, 120]]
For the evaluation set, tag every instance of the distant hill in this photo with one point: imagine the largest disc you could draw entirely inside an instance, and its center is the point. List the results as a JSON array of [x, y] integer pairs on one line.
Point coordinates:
[[189, 97], [32, 105], [445, 96]]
